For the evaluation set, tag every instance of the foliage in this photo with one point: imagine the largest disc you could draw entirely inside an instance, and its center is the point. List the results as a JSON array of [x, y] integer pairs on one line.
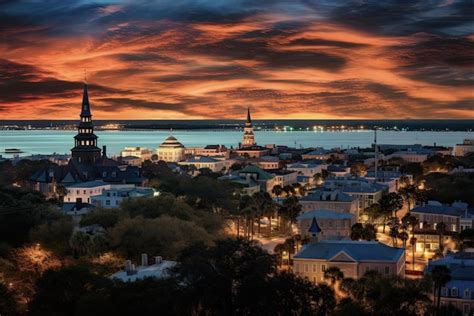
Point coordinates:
[[102, 216], [360, 231], [8, 306], [166, 236], [448, 188], [54, 234]]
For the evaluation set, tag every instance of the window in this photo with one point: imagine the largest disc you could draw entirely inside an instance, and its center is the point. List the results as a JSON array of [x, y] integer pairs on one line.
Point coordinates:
[[444, 292], [306, 268], [454, 292], [387, 270], [107, 202], [315, 267], [466, 309], [467, 293], [323, 267]]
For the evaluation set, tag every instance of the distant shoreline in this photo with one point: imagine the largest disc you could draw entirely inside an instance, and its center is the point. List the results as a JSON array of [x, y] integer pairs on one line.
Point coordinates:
[[269, 125]]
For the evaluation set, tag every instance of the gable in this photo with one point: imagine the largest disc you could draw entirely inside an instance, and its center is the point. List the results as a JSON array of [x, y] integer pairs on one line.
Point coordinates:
[[342, 256]]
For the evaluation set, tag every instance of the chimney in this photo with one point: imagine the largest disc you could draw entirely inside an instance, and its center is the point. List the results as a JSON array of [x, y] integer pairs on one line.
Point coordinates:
[[104, 151], [158, 259], [144, 259]]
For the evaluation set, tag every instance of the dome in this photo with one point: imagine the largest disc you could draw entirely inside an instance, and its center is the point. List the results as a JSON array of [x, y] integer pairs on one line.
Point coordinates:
[[171, 142]]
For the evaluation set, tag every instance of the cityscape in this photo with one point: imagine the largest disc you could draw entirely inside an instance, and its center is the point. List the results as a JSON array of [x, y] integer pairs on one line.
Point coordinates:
[[237, 158]]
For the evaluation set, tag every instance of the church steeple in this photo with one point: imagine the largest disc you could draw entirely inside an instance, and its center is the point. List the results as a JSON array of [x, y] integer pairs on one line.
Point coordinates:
[[85, 142], [86, 109], [249, 137], [314, 230]]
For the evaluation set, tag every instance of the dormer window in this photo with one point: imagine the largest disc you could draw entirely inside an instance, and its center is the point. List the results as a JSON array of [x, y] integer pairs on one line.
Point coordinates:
[[454, 292], [467, 294]]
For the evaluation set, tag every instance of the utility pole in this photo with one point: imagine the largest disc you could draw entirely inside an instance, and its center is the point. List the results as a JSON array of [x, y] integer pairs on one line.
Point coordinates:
[[376, 156]]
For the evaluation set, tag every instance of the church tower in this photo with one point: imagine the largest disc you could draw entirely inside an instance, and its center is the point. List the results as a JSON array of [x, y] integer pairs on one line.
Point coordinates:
[[85, 149], [249, 137]]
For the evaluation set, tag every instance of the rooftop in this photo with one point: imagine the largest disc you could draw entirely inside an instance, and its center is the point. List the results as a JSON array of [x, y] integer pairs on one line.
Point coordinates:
[[160, 271], [324, 214], [357, 250], [88, 184]]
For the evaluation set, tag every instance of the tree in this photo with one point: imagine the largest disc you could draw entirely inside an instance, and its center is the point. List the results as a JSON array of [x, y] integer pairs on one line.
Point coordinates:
[[441, 230], [403, 237], [80, 243], [364, 232], [277, 190], [8, 304], [59, 292], [102, 216], [373, 212], [358, 169], [289, 190], [440, 275], [410, 220], [289, 210], [334, 274], [391, 202]]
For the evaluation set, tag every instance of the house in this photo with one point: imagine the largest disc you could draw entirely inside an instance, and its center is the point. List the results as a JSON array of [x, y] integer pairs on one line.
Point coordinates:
[[335, 225], [131, 160], [459, 291], [353, 258], [171, 150], [160, 269], [201, 162], [389, 178], [456, 217], [82, 192], [308, 169], [268, 162], [112, 197], [338, 171], [252, 177], [365, 191], [334, 200], [284, 177], [318, 153]]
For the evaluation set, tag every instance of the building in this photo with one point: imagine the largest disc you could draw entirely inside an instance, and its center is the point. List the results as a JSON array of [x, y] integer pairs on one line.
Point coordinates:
[[83, 191], [171, 150], [353, 258], [308, 169], [456, 217], [459, 291], [411, 155], [253, 151], [208, 151], [318, 153], [143, 153], [248, 138], [116, 194], [334, 200], [88, 162], [202, 162], [284, 177], [388, 178], [268, 162], [334, 224], [465, 148], [338, 171], [252, 177], [365, 191], [160, 269]]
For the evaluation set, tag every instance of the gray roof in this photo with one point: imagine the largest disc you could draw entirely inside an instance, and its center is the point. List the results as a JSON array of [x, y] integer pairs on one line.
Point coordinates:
[[88, 184], [323, 195], [442, 210], [358, 250], [324, 214]]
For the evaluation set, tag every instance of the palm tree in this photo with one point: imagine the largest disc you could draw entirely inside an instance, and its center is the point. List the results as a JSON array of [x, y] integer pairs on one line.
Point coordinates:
[[289, 190], [441, 229], [333, 274], [408, 194], [440, 275], [289, 210], [277, 190], [80, 243], [411, 221], [403, 237]]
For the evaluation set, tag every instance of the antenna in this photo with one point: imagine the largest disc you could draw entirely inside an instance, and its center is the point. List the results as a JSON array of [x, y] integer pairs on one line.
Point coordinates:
[[85, 75]]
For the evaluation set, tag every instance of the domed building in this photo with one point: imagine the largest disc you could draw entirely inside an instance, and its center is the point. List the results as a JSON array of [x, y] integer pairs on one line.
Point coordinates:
[[171, 150]]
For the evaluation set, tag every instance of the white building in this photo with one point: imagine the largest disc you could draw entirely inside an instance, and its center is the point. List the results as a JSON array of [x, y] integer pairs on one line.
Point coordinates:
[[306, 169], [140, 152], [213, 164], [160, 269], [82, 192], [171, 150], [112, 197]]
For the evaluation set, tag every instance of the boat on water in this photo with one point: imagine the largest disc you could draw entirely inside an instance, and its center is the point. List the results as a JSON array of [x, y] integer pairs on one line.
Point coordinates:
[[13, 151]]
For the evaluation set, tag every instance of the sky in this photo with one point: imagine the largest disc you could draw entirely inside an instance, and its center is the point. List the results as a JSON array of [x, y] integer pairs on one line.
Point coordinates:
[[211, 59]]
